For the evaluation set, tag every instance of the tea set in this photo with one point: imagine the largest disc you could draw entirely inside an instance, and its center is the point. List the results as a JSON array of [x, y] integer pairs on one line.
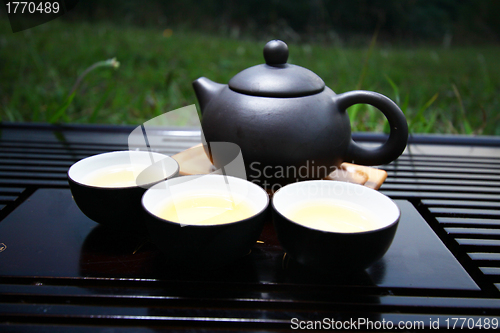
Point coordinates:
[[280, 116]]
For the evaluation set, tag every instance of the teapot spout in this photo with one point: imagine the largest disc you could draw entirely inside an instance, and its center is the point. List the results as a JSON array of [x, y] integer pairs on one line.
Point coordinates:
[[205, 90]]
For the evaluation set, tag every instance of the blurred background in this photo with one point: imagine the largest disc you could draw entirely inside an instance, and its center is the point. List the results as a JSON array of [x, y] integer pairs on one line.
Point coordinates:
[[125, 62]]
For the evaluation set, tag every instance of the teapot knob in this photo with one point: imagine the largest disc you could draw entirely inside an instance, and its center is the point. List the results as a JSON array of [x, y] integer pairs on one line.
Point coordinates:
[[276, 52]]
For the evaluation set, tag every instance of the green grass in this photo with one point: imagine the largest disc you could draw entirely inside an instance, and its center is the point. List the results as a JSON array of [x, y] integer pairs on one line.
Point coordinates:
[[440, 90]]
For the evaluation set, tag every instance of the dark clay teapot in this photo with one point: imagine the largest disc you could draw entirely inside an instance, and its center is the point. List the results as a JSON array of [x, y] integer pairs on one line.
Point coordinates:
[[288, 124]]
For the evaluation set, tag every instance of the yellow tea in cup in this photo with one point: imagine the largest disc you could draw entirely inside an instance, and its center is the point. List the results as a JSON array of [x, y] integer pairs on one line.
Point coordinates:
[[123, 175], [333, 216], [205, 209]]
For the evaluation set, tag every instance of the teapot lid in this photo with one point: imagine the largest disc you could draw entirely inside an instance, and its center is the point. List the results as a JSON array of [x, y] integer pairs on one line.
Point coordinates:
[[276, 78]]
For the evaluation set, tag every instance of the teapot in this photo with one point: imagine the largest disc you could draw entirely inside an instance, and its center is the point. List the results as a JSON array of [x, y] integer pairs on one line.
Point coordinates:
[[288, 125]]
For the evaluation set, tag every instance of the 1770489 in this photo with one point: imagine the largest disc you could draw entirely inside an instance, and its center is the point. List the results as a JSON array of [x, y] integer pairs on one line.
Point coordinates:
[[25, 7], [471, 323]]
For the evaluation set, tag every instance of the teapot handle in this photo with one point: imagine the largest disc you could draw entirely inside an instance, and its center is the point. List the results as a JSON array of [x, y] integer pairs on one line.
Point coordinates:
[[398, 137]]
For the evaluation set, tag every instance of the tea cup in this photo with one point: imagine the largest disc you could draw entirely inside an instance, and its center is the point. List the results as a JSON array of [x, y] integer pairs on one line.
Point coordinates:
[[334, 225], [108, 187], [206, 239]]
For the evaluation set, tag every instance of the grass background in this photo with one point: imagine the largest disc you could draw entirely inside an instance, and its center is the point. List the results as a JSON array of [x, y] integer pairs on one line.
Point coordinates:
[[440, 89]]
